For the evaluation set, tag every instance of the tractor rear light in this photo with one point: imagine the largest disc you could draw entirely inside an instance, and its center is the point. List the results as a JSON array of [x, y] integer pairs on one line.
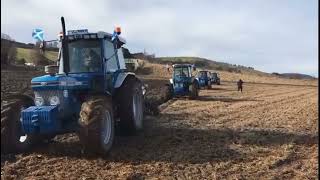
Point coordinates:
[[118, 30]]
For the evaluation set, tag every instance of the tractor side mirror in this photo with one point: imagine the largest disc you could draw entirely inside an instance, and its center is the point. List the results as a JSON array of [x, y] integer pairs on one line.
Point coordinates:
[[51, 69]]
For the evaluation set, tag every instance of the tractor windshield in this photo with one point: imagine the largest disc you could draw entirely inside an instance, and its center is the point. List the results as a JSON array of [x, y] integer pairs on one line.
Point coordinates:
[[181, 72], [203, 74], [85, 55]]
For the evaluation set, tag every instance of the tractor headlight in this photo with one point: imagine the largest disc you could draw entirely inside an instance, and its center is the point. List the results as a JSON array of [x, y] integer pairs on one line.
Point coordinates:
[[54, 100], [38, 101]]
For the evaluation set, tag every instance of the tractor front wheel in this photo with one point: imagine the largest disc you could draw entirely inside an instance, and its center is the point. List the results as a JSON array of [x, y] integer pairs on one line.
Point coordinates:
[[12, 138], [97, 124]]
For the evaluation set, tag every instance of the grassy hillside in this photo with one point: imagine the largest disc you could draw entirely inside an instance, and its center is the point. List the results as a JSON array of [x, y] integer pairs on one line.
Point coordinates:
[[28, 54], [158, 71], [203, 63]]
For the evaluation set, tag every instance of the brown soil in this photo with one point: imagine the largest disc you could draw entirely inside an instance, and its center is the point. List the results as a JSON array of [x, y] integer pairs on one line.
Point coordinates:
[[269, 131]]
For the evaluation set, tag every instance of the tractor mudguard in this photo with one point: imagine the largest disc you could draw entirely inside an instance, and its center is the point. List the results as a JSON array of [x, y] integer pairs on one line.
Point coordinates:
[[121, 77]]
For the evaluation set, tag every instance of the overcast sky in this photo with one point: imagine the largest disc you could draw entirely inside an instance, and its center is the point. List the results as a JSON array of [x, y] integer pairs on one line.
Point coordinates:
[[269, 35]]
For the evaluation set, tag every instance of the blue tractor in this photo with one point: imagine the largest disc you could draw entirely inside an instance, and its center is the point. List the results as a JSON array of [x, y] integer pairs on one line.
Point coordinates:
[[204, 79], [89, 93], [215, 79], [183, 83]]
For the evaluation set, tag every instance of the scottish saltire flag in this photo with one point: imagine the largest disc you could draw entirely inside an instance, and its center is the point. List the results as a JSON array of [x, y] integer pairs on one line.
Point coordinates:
[[37, 34]]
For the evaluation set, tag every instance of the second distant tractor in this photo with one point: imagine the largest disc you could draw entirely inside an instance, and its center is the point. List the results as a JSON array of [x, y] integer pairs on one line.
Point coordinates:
[[204, 79], [215, 79], [183, 83]]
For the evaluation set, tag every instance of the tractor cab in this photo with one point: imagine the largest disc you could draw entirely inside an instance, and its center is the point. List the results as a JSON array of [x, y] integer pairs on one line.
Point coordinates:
[[86, 52], [204, 79], [215, 79], [88, 63], [183, 82]]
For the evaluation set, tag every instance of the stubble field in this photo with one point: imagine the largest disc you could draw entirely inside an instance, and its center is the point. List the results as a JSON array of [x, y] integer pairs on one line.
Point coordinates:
[[268, 131]]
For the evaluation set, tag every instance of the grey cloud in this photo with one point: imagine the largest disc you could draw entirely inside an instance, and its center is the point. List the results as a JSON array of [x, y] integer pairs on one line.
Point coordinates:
[[254, 33]]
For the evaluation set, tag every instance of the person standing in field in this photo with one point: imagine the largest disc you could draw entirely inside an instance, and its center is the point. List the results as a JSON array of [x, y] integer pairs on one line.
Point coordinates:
[[42, 47], [239, 83]]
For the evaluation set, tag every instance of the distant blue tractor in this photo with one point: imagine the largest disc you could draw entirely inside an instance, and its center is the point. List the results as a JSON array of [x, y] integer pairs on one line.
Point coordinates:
[[215, 79], [182, 82], [90, 94], [204, 79]]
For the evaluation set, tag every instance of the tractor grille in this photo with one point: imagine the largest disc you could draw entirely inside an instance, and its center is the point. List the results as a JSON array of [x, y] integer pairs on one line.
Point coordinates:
[[40, 119]]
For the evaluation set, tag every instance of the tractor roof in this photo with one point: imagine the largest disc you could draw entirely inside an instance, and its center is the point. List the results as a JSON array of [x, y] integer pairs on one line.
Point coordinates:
[[182, 65], [74, 34]]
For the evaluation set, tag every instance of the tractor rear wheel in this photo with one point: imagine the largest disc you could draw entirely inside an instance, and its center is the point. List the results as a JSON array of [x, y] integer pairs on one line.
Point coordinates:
[[97, 124], [131, 106], [169, 92], [209, 85], [12, 138]]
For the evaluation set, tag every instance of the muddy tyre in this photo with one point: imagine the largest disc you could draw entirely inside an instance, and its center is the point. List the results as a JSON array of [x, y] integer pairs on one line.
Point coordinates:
[[169, 93], [97, 124], [12, 138], [209, 85], [131, 107]]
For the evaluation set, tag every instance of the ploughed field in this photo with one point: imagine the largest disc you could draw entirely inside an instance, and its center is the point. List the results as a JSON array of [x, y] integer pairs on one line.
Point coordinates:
[[268, 131]]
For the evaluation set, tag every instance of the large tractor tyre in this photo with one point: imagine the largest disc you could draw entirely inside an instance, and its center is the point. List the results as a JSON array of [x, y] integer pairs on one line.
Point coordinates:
[[12, 138], [169, 93], [97, 127], [131, 106], [195, 91], [209, 85]]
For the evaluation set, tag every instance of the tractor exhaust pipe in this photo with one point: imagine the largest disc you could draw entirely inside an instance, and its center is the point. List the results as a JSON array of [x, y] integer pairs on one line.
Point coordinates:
[[65, 56]]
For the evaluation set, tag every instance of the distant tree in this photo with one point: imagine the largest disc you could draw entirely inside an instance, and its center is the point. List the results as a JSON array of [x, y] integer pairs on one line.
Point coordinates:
[[8, 50]]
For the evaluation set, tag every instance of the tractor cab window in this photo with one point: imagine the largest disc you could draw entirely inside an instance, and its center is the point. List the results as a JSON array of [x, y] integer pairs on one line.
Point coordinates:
[[214, 75], [110, 56], [85, 56], [181, 72], [203, 74]]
